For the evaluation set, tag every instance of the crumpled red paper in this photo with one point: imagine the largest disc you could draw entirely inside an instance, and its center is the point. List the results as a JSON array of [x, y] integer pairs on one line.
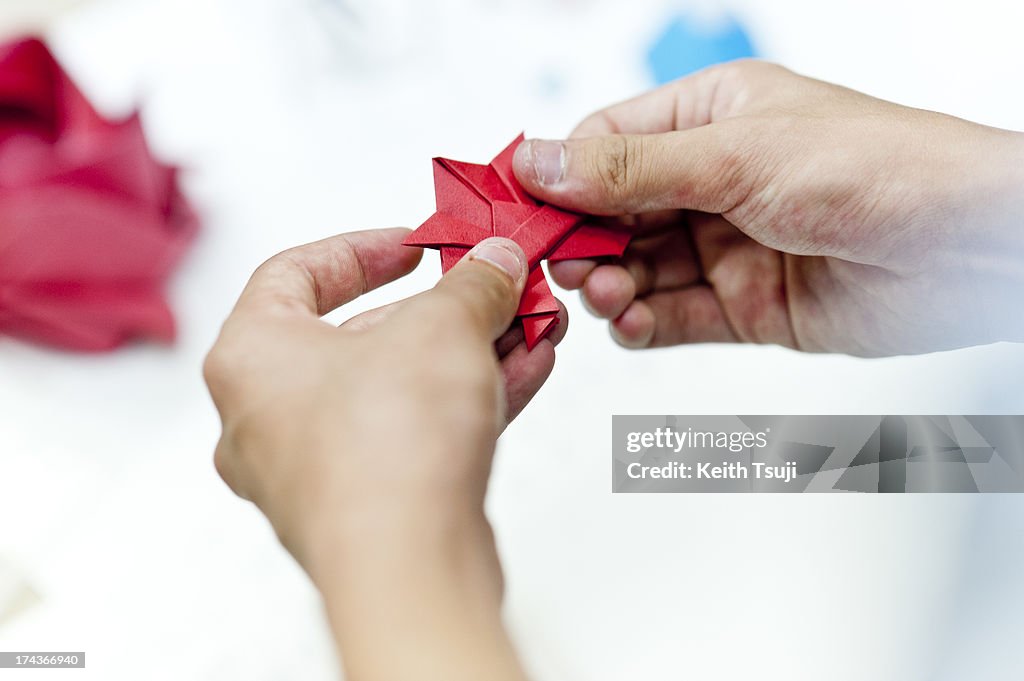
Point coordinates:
[[91, 225], [475, 202]]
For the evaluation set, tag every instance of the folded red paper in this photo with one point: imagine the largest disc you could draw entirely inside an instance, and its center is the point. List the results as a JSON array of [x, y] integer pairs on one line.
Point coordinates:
[[475, 202], [90, 224]]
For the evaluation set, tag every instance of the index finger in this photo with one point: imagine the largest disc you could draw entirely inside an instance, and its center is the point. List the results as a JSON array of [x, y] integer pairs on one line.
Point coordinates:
[[701, 98], [318, 277]]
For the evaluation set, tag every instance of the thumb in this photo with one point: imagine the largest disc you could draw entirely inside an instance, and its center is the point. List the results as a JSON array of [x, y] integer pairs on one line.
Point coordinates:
[[485, 286], [696, 169]]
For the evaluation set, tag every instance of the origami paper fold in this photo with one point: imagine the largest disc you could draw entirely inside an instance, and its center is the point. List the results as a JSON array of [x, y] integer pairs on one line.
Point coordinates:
[[475, 202], [90, 224]]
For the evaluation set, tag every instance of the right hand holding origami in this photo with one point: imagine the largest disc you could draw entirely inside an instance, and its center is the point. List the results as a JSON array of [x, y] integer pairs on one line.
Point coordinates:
[[369, 446]]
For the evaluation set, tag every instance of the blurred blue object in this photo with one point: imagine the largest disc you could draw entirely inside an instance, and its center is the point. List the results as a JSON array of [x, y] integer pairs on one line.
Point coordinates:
[[688, 45]]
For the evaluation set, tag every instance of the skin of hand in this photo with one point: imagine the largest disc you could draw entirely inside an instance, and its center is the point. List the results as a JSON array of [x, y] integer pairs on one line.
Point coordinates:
[[773, 208], [368, 446]]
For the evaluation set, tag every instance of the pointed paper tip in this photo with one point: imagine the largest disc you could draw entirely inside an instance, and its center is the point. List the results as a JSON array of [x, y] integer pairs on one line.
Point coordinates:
[[537, 328], [511, 148]]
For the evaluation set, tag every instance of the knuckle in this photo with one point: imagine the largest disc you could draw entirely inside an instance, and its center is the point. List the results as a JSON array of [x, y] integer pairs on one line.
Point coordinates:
[[222, 463], [612, 165], [216, 370], [745, 84], [749, 70], [289, 263], [230, 465], [641, 269], [273, 265], [228, 363], [617, 165], [767, 68], [734, 177], [733, 70]]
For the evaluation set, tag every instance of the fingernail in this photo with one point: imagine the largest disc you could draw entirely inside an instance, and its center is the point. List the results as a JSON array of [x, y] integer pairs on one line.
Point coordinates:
[[504, 254], [546, 159]]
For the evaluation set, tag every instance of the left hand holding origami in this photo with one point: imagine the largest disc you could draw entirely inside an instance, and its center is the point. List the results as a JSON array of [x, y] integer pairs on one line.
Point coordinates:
[[369, 446], [767, 207]]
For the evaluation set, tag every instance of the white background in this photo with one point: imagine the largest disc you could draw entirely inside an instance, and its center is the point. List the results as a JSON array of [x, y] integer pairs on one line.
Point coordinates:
[[293, 124]]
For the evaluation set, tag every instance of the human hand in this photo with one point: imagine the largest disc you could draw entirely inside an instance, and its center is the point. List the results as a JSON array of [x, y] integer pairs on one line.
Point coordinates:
[[773, 208], [369, 446]]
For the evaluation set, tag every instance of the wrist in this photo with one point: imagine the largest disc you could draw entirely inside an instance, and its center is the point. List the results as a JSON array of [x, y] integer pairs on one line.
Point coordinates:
[[413, 598], [1003, 223], [1002, 173], [345, 539], [990, 233]]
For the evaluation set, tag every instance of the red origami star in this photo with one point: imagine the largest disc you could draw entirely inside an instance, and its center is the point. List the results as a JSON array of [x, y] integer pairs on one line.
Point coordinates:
[[475, 202]]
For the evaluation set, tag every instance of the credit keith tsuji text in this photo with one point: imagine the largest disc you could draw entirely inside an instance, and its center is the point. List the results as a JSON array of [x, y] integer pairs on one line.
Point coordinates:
[[713, 471]]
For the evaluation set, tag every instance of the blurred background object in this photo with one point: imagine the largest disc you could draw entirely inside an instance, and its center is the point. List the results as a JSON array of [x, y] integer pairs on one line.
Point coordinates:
[[91, 225], [295, 128], [689, 44]]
